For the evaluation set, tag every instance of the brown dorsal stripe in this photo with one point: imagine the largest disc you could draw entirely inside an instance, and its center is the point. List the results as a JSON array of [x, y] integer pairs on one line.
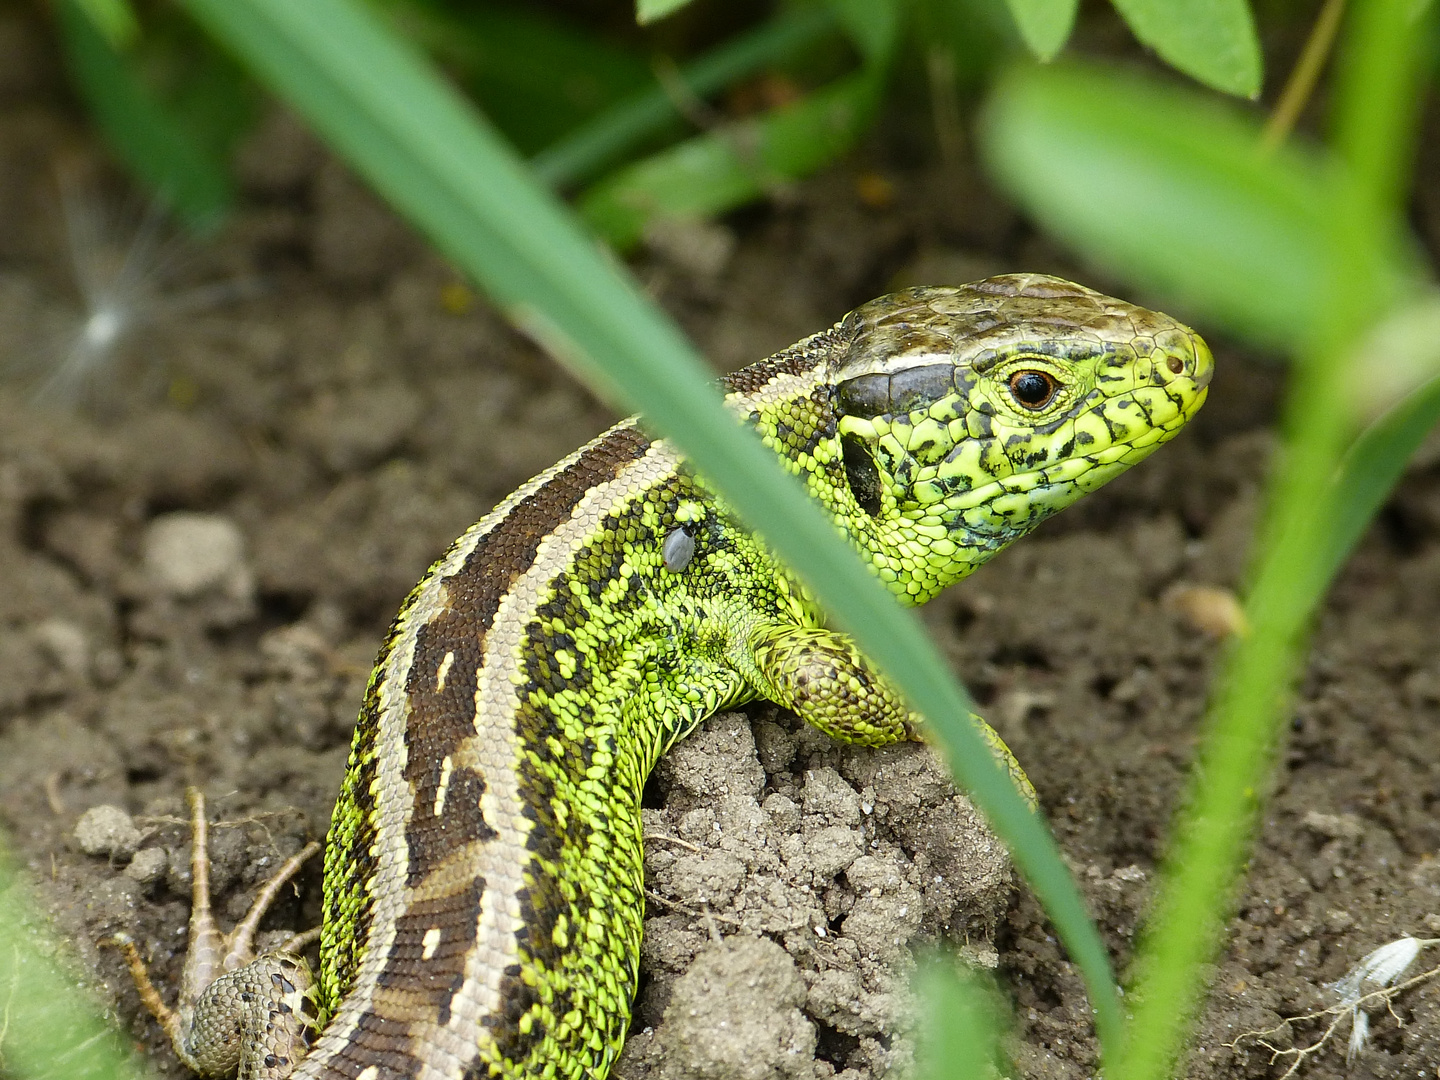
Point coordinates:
[[442, 716]]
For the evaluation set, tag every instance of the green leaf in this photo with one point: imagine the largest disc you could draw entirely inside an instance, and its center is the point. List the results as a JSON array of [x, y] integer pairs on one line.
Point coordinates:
[[143, 133], [115, 19], [1169, 188], [648, 11], [1044, 25], [1210, 40], [403, 128], [712, 173]]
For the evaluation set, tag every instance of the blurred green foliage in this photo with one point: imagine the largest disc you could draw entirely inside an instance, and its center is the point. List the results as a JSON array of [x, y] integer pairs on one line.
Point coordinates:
[[579, 103]]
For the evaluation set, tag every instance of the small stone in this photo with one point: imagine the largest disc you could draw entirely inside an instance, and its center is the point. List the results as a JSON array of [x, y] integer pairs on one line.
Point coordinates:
[[1210, 609], [149, 865], [107, 830], [66, 645], [187, 554]]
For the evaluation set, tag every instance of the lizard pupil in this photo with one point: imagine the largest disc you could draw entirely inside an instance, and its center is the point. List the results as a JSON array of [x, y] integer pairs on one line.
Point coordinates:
[[1032, 389]]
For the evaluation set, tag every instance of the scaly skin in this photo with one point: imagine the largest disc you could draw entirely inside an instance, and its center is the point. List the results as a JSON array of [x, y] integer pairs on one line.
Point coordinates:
[[483, 872]]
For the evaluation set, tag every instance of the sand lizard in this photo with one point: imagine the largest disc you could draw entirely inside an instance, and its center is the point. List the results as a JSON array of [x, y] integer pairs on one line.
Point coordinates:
[[483, 896]]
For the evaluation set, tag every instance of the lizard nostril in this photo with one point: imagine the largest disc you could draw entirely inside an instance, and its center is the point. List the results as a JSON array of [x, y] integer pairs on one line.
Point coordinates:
[[1176, 365]]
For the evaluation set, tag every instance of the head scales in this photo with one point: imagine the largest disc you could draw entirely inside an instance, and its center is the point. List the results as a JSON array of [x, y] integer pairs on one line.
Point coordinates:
[[947, 454]]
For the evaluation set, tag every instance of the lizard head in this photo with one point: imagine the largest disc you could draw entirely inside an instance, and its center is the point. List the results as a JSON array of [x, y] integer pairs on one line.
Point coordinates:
[[966, 416]]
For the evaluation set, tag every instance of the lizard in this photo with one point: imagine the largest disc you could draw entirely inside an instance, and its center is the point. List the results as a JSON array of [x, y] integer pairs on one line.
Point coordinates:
[[483, 882]]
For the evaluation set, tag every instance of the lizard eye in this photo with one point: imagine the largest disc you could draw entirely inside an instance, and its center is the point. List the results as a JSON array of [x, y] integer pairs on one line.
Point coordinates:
[[1033, 389]]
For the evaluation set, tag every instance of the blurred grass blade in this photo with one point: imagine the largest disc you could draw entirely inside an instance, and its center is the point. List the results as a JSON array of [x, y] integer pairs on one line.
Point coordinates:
[[1398, 366], [50, 1029], [604, 140], [712, 173], [1213, 41], [1297, 550], [1372, 467], [1044, 25], [399, 124], [115, 19], [961, 1021], [146, 136], [648, 11], [1164, 187]]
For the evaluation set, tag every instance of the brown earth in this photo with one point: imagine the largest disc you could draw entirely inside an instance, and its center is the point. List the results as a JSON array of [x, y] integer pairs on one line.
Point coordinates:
[[198, 558]]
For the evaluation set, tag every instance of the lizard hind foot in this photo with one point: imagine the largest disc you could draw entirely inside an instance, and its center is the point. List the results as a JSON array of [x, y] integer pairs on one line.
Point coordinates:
[[238, 1013], [257, 1021]]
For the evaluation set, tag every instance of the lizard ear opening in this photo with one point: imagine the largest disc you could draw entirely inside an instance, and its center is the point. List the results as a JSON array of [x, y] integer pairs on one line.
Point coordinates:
[[862, 474]]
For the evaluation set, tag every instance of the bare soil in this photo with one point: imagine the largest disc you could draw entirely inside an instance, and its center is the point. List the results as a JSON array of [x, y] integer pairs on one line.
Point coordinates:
[[198, 559]]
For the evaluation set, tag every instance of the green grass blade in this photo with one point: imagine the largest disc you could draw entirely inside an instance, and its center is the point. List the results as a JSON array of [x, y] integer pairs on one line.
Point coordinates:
[[1298, 547], [49, 1030], [1213, 41], [602, 141], [418, 143], [1403, 357], [1170, 189], [145, 135], [1044, 25], [712, 173]]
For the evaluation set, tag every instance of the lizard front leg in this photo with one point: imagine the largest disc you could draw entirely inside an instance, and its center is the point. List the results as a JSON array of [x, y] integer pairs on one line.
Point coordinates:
[[238, 1012], [828, 682]]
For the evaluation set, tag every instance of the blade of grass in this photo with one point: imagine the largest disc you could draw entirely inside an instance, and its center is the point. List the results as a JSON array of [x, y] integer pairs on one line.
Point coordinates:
[[418, 143], [1370, 470], [737, 162], [1297, 542], [507, 58], [648, 11], [115, 19], [141, 131], [619, 129], [712, 173]]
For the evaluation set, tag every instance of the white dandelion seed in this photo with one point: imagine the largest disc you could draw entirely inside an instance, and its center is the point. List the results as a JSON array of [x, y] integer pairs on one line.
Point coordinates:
[[121, 281], [1359, 1035], [1381, 967]]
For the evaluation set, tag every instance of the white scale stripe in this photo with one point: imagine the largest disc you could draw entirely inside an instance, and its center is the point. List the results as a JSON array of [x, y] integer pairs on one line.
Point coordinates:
[[494, 746]]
